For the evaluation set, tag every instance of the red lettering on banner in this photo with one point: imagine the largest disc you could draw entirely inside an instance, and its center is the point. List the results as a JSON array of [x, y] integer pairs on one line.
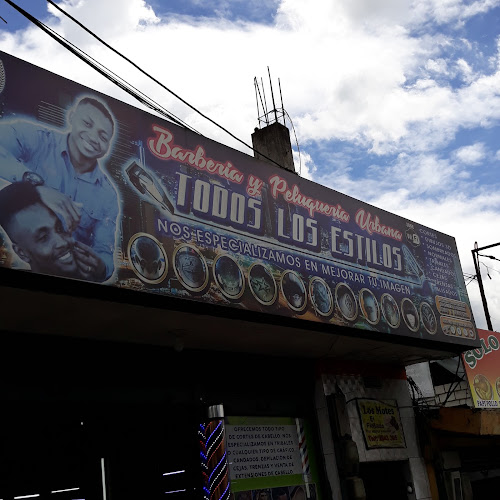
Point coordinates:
[[163, 147], [280, 186], [254, 185], [364, 221]]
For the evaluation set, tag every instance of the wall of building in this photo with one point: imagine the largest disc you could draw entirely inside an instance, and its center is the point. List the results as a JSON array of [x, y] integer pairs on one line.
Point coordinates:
[[459, 395], [353, 387]]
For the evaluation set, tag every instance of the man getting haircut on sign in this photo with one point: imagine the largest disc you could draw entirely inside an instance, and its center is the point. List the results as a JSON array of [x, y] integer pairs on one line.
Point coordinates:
[[37, 234], [64, 169]]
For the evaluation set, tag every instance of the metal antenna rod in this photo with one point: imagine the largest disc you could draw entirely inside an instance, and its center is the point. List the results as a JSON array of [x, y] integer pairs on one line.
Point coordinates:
[[255, 84], [272, 94], [282, 107], [260, 96], [264, 93]]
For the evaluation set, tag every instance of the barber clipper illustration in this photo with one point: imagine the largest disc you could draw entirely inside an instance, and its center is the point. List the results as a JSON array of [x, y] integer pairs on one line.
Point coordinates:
[[147, 185]]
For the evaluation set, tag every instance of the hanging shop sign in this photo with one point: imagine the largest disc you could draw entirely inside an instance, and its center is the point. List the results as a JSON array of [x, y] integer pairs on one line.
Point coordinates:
[[96, 190], [381, 423], [271, 456], [482, 366]]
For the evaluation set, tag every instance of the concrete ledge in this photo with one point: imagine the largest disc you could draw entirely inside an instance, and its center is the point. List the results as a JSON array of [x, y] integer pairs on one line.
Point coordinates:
[[468, 421]]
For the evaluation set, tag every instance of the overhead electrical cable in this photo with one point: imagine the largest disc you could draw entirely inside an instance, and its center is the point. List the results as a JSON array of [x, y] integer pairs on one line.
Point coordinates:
[[156, 81], [490, 268], [489, 256], [296, 140], [100, 68], [487, 269]]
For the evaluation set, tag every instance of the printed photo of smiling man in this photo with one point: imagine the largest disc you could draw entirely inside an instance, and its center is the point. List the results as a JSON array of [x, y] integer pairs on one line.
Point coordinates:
[[37, 234], [63, 166]]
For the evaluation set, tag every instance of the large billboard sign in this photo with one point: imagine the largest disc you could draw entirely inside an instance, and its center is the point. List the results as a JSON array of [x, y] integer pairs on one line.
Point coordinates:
[[482, 366], [97, 190]]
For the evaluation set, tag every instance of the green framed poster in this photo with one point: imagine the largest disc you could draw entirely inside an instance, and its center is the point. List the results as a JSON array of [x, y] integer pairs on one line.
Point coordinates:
[[271, 458]]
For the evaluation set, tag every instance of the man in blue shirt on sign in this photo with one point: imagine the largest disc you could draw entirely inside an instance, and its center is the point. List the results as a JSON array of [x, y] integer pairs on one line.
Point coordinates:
[[36, 233], [64, 168]]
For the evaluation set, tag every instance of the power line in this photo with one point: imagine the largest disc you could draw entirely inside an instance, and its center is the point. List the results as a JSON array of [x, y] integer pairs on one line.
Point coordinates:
[[100, 68], [491, 268], [471, 279], [296, 140], [157, 81], [488, 271], [489, 256]]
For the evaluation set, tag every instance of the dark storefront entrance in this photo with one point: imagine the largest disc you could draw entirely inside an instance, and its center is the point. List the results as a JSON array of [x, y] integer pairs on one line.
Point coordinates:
[[385, 480], [49, 450], [80, 414], [77, 411]]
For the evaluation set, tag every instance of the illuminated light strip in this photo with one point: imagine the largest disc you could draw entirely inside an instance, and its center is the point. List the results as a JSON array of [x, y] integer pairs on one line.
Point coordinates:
[[215, 451], [203, 459], [209, 452], [216, 442], [174, 491], [223, 468], [225, 475], [216, 467], [27, 496], [218, 429], [220, 461], [213, 445], [67, 489], [175, 472], [218, 425], [225, 491]]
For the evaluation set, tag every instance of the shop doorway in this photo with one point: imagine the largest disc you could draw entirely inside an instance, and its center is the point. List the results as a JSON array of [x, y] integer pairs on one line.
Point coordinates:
[[95, 421], [58, 454], [385, 480]]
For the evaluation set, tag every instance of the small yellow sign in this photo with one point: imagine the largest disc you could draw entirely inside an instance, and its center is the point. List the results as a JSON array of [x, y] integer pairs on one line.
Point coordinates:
[[381, 424]]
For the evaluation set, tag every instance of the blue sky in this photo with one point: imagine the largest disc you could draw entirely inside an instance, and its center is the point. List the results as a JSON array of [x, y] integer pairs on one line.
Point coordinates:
[[395, 102]]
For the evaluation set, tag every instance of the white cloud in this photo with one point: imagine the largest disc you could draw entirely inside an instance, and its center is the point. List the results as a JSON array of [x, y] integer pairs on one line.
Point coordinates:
[[439, 66], [471, 155], [340, 79], [465, 70], [449, 11], [304, 165]]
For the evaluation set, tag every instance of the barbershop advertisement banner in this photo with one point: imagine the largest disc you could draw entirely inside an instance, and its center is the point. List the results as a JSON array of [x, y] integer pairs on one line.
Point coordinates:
[[273, 455], [96, 190], [482, 366]]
